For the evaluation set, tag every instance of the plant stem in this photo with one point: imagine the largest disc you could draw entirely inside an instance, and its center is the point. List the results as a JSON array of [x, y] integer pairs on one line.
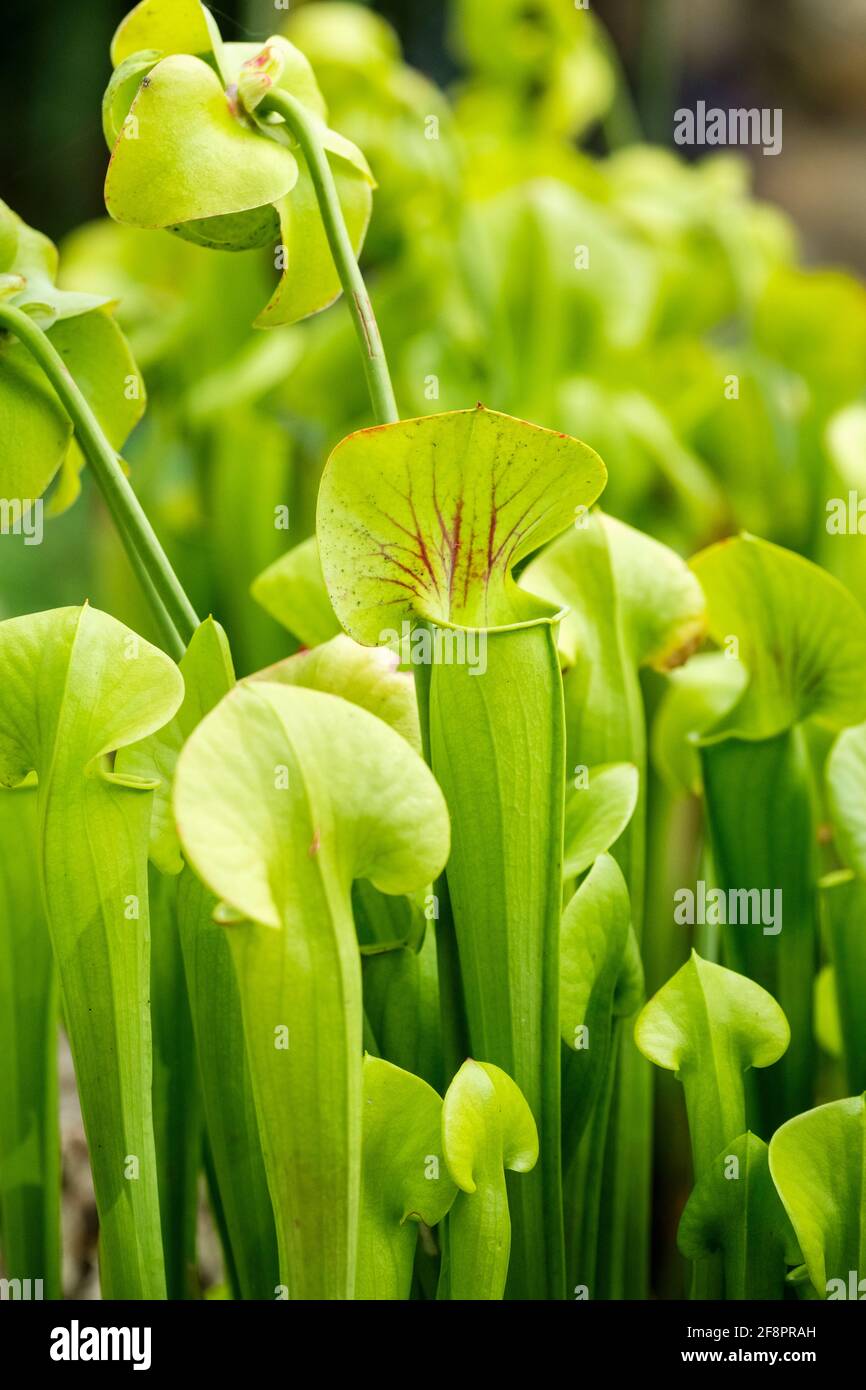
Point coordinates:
[[305, 128], [498, 753], [171, 639], [145, 552]]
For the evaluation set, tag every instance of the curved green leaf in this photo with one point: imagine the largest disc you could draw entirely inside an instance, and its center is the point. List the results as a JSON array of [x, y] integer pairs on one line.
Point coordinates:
[[309, 281], [208, 674], [426, 518], [35, 427], [183, 156], [364, 677], [801, 636], [594, 938], [171, 26], [817, 1161], [661, 608], [597, 813], [710, 1025], [32, 271], [486, 1127], [76, 686], [293, 591], [735, 1210], [283, 797], [404, 1179]]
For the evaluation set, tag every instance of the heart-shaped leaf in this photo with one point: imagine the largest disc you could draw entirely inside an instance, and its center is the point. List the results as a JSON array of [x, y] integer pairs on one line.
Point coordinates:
[[427, 518], [183, 155], [710, 1025]]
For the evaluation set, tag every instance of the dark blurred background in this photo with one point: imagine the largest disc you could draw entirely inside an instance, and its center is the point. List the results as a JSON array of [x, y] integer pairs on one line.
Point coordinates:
[[809, 59]]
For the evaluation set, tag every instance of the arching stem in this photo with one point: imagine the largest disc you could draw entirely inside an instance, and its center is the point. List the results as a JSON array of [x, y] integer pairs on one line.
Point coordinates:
[[172, 609], [305, 129]]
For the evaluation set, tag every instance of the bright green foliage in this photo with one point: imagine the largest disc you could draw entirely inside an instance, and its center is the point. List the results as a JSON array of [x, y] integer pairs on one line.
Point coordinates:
[[423, 521], [37, 433], [735, 1209], [293, 591], [77, 685], [597, 813], [426, 519], [198, 977], [304, 911], [29, 1126], [404, 1179], [817, 1161], [801, 635], [600, 979], [487, 1127], [283, 797], [710, 1026], [191, 153]]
